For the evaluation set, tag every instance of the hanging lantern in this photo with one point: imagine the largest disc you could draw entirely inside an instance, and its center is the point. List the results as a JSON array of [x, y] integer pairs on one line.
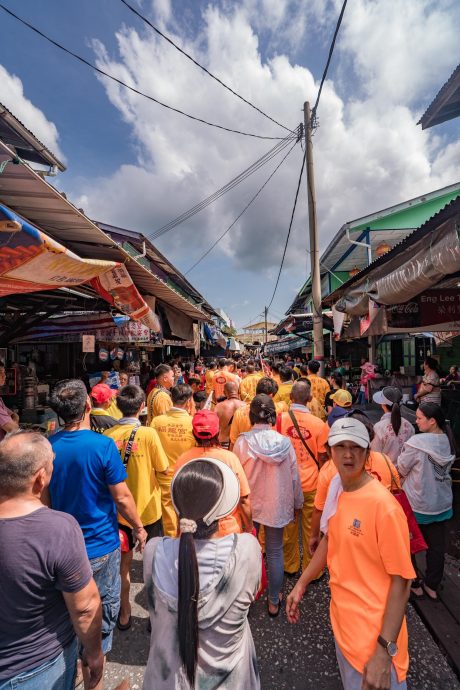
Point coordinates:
[[354, 272], [383, 248]]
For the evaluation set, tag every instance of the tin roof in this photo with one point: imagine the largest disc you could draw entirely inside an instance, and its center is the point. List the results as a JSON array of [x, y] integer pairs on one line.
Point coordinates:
[[446, 104]]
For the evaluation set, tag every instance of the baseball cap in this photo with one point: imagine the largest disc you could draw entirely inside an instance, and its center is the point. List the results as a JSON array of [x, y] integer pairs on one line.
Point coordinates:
[[229, 497], [205, 424], [342, 398], [349, 429], [387, 396], [101, 393]]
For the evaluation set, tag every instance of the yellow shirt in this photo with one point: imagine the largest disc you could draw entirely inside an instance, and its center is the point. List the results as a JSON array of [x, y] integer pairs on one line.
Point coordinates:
[[248, 387], [113, 410], [284, 393], [175, 431], [241, 423], [209, 377], [317, 410], [319, 388], [146, 459], [158, 402]]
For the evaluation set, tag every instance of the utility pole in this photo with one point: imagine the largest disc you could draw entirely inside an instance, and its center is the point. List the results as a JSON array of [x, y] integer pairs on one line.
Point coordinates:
[[318, 340], [266, 325]]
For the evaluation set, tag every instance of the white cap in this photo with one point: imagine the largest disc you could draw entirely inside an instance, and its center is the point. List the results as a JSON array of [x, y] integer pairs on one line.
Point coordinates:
[[389, 395], [349, 429], [228, 499]]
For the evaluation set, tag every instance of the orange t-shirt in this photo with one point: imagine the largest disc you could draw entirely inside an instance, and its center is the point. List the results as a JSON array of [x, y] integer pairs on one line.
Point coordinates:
[[241, 423], [315, 433], [232, 524], [368, 542], [219, 380], [377, 466], [210, 373]]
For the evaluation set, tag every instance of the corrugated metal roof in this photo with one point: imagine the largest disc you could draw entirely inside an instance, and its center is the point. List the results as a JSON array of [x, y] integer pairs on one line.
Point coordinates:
[[32, 197], [437, 219], [446, 104], [26, 144]]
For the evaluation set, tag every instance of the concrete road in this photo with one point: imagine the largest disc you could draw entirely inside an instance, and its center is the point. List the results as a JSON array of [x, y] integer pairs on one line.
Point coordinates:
[[290, 657]]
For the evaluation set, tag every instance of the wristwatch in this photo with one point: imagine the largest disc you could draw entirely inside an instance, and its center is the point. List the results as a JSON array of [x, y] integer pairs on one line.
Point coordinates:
[[391, 647]]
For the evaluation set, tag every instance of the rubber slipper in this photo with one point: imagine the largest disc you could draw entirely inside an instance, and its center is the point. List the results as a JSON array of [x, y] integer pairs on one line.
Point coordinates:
[[123, 626], [274, 615], [428, 595]]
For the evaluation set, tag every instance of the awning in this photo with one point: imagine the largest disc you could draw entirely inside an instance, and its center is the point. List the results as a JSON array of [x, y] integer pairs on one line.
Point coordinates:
[[26, 193], [102, 326], [286, 345]]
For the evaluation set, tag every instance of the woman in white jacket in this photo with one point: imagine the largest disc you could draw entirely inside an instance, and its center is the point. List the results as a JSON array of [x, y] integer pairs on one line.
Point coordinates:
[[424, 467], [270, 464]]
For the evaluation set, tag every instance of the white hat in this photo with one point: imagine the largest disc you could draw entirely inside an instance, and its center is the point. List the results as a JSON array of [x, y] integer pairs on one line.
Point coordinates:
[[349, 429], [228, 499], [389, 395]]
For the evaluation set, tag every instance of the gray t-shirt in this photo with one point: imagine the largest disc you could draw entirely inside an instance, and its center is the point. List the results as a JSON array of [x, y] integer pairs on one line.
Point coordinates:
[[41, 555]]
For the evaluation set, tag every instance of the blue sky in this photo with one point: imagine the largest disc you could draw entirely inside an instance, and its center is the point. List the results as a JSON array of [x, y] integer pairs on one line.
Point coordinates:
[[136, 165]]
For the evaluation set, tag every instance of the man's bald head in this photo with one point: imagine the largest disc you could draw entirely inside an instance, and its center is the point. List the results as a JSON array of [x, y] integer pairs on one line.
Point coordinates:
[[22, 455], [231, 389], [301, 392]]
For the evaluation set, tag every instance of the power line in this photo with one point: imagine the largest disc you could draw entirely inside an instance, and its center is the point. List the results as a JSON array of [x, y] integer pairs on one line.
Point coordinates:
[[329, 57], [127, 86], [239, 216], [263, 160], [195, 62], [288, 234]]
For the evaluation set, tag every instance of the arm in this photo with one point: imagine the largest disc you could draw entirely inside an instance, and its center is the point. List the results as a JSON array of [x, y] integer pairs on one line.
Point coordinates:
[[127, 508], [246, 513], [315, 536], [86, 615], [406, 461], [12, 425], [316, 565], [377, 671]]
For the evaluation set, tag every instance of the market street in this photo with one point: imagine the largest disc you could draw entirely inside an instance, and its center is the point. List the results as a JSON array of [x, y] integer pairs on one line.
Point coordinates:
[[290, 657]]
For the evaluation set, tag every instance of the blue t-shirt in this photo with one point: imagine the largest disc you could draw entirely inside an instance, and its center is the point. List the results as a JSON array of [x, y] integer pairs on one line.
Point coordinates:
[[86, 463]]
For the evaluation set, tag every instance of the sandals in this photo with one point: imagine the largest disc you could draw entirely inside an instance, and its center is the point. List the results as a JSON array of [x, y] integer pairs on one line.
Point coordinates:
[[274, 615], [427, 594], [123, 626]]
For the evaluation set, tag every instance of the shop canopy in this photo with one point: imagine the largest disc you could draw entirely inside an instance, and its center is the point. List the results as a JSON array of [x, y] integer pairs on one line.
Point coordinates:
[[25, 192]]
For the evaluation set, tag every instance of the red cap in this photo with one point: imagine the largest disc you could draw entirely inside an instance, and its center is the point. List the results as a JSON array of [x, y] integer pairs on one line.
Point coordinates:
[[205, 424], [101, 392]]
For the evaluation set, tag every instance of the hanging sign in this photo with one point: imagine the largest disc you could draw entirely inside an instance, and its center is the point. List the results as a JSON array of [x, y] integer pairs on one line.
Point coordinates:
[[88, 343]]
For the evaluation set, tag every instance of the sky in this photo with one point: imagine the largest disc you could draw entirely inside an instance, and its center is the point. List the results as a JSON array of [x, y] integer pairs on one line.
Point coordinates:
[[136, 165]]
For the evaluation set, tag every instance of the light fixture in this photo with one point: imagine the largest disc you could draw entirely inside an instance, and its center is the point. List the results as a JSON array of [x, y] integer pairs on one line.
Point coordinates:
[[383, 248], [354, 272]]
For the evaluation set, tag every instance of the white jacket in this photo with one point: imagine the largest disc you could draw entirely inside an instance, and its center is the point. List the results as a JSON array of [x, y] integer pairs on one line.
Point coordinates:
[[424, 467]]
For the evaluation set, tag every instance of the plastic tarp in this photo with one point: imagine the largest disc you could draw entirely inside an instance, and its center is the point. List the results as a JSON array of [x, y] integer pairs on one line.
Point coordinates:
[[422, 265], [181, 325]]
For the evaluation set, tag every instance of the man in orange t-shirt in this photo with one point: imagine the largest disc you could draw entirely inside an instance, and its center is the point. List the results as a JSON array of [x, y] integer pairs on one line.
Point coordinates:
[[205, 426], [366, 548], [220, 378], [240, 422], [314, 433]]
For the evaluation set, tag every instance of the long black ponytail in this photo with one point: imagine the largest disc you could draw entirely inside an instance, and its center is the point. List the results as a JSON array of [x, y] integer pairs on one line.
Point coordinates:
[[396, 418], [196, 490]]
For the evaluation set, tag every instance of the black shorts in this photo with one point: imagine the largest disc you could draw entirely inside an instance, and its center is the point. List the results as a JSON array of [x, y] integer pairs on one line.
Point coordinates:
[[153, 530]]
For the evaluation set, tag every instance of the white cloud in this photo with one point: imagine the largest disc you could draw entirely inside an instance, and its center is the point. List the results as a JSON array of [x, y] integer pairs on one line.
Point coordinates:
[[12, 96], [369, 153]]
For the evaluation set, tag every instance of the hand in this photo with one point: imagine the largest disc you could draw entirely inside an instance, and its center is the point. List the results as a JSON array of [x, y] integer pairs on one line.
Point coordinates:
[[292, 602], [313, 544], [139, 537], [95, 663], [15, 417], [377, 671]]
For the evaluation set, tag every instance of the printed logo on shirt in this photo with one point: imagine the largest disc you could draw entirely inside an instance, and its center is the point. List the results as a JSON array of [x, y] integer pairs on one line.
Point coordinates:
[[292, 433], [355, 528]]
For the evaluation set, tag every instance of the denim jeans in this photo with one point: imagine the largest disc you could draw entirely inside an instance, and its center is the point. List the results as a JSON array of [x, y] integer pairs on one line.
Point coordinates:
[[275, 561], [106, 573], [57, 674]]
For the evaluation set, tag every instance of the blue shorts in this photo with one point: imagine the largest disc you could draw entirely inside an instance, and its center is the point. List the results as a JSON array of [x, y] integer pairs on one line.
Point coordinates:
[[59, 673], [106, 574]]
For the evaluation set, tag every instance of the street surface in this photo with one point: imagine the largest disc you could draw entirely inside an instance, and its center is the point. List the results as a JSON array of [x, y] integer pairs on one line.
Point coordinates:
[[298, 657]]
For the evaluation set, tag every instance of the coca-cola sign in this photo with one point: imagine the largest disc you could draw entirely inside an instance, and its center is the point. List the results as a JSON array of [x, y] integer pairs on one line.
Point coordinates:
[[428, 308]]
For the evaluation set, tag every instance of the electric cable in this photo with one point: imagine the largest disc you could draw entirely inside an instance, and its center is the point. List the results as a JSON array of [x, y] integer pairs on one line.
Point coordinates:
[[263, 160], [195, 62], [288, 233], [127, 86], [203, 256]]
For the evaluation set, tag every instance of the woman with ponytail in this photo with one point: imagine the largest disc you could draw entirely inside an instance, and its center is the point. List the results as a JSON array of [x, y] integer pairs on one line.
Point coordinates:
[[392, 431], [200, 587], [424, 467], [270, 465]]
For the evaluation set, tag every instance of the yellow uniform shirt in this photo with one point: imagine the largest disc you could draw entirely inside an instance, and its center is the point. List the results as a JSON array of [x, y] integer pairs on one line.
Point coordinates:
[[284, 393], [317, 410], [241, 423], [319, 388], [146, 459], [248, 387], [209, 377], [175, 431], [113, 410], [158, 402]]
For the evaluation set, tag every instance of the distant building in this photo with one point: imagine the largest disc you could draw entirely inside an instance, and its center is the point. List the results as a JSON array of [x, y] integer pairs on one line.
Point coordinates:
[[254, 333]]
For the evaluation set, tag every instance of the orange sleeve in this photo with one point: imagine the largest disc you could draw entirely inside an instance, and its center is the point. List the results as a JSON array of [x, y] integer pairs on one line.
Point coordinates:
[[322, 438], [240, 473], [393, 542], [324, 479]]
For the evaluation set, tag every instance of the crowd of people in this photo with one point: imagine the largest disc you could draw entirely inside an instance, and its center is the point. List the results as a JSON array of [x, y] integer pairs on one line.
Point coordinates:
[[228, 477]]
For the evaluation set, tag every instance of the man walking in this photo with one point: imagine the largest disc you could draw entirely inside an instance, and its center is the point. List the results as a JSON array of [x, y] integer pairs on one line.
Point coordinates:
[[221, 377], [308, 435], [102, 397], [174, 429], [319, 386], [89, 483], [159, 398], [225, 410], [147, 465], [249, 383], [47, 593]]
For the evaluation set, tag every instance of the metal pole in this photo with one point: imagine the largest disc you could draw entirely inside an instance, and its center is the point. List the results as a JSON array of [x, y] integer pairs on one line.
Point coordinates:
[[318, 340], [266, 325]]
